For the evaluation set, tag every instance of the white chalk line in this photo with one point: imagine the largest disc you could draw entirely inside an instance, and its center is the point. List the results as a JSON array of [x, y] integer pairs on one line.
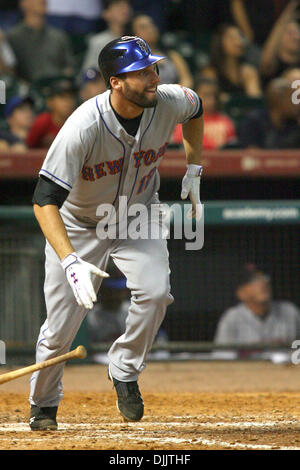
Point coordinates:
[[23, 427], [170, 440], [139, 438]]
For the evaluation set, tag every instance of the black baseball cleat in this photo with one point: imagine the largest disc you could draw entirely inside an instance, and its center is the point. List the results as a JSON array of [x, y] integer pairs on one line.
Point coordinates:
[[43, 419], [130, 402]]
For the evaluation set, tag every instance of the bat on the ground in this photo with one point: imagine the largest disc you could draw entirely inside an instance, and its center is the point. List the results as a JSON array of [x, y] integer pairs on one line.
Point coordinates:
[[79, 352]]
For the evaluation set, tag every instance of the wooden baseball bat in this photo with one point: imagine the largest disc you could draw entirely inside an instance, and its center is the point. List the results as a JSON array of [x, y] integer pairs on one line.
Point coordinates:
[[79, 352]]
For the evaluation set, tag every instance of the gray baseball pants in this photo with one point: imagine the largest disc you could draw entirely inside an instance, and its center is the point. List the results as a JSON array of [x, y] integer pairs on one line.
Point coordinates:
[[145, 263]]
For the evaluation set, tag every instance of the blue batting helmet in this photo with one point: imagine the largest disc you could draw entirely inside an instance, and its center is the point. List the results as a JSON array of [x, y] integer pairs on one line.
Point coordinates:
[[125, 54]]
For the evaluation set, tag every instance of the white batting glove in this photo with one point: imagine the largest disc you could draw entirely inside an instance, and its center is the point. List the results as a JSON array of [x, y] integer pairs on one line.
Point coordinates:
[[78, 273], [191, 187]]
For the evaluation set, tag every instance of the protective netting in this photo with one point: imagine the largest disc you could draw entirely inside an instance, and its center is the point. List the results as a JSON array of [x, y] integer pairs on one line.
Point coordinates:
[[203, 282]]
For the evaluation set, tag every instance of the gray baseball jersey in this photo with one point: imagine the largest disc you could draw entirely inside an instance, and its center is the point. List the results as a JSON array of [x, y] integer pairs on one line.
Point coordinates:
[[95, 159], [239, 325]]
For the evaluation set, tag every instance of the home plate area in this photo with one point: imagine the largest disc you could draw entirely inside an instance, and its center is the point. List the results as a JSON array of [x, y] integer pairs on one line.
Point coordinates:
[[224, 411]]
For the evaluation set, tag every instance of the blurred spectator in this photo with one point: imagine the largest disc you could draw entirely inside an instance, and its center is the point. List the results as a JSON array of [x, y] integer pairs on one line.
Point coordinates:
[[257, 318], [202, 17], [116, 14], [156, 9], [228, 64], [174, 68], [7, 57], [282, 48], [275, 127], [19, 116], [219, 128], [40, 50], [74, 16], [92, 84], [61, 102], [292, 74], [256, 25]]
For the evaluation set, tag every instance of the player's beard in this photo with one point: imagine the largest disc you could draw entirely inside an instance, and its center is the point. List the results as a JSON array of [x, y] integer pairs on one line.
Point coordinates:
[[138, 98]]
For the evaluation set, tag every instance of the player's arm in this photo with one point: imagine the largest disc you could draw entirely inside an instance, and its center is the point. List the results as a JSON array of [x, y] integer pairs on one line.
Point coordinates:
[[270, 47], [192, 132], [54, 229], [185, 106], [47, 200]]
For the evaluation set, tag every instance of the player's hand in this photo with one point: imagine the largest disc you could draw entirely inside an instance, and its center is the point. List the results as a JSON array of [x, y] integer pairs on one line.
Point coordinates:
[[79, 273], [191, 187]]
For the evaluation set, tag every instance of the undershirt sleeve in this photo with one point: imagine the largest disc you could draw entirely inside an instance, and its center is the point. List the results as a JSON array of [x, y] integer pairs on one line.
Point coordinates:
[[47, 192], [200, 111]]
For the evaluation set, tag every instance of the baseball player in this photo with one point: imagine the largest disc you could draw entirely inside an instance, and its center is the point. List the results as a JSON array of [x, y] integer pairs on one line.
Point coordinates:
[[110, 147]]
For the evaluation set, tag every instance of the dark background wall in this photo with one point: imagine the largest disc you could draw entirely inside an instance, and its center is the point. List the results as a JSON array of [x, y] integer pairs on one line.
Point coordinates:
[[19, 192]]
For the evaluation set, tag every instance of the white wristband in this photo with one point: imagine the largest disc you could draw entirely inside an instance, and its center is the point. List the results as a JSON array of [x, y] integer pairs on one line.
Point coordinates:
[[68, 260], [193, 170]]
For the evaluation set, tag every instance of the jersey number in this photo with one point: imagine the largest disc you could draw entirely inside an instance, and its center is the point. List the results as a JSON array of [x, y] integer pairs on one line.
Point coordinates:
[[145, 181]]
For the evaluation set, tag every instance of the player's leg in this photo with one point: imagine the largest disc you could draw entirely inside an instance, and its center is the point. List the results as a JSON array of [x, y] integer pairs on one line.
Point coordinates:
[[145, 263], [64, 315]]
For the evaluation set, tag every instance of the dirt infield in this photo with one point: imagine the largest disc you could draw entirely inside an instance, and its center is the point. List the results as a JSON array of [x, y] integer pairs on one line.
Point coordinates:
[[191, 405]]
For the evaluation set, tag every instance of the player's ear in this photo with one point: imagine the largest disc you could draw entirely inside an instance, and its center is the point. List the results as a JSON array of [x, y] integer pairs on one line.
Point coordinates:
[[115, 83]]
